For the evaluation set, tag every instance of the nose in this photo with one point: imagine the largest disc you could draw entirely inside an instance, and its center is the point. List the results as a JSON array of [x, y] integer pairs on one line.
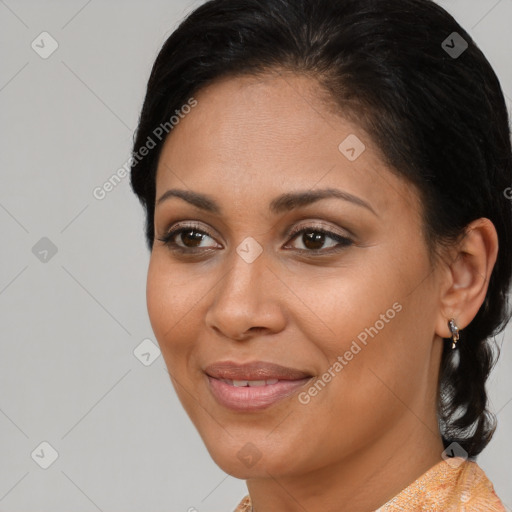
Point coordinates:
[[246, 301]]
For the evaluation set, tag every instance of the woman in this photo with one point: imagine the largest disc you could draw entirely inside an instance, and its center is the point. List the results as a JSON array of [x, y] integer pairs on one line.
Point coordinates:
[[324, 185]]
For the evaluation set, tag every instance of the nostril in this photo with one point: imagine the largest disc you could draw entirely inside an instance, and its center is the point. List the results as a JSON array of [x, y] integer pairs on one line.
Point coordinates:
[[249, 331]]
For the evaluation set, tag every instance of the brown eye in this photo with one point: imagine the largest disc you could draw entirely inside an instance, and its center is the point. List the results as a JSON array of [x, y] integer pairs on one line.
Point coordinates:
[[191, 237], [314, 240], [186, 238]]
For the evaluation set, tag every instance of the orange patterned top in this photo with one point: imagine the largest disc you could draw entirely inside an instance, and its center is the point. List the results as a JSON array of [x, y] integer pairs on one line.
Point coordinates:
[[456, 485]]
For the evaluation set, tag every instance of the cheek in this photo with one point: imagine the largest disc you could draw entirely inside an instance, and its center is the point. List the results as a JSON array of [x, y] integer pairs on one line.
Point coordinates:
[[371, 319], [171, 304], [158, 299], [344, 302], [386, 368]]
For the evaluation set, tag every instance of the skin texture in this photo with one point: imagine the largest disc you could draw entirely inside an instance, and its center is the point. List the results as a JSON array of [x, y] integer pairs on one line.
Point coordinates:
[[373, 426]]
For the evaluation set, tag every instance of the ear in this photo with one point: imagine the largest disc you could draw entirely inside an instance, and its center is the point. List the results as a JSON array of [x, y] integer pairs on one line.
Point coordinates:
[[467, 275]]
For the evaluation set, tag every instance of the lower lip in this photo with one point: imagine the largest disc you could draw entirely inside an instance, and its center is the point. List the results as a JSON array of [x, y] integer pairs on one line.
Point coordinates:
[[253, 398]]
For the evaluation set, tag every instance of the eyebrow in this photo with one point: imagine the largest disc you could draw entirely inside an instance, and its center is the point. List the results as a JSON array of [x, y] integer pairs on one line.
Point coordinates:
[[283, 203]]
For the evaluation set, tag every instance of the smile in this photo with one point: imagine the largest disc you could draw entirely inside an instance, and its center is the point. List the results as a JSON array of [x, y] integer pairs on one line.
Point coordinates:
[[253, 395]]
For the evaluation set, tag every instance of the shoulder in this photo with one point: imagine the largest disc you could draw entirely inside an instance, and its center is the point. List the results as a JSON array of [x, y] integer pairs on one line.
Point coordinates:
[[457, 485], [475, 491]]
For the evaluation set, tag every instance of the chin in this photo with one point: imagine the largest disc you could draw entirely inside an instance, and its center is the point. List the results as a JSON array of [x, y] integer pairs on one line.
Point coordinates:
[[252, 458]]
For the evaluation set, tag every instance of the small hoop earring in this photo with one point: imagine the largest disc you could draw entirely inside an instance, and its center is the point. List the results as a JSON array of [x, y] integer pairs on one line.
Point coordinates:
[[454, 330]]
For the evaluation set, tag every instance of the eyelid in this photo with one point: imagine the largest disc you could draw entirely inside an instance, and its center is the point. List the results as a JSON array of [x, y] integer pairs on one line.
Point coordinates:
[[190, 224], [177, 227], [291, 233], [312, 225]]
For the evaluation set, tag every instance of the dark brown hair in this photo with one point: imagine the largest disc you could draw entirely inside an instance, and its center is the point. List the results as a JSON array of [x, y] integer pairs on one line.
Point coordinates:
[[434, 108]]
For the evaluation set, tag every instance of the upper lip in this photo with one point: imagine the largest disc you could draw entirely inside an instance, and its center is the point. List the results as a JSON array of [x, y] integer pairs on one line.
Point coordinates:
[[255, 370]]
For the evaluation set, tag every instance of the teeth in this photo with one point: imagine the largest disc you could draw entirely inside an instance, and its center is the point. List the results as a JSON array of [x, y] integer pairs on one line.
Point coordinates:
[[256, 382], [252, 383]]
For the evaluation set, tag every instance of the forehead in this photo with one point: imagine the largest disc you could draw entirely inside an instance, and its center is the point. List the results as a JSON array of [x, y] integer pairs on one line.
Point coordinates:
[[273, 133]]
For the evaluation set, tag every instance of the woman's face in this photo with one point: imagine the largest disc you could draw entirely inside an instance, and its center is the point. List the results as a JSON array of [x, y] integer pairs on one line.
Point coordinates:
[[353, 310]]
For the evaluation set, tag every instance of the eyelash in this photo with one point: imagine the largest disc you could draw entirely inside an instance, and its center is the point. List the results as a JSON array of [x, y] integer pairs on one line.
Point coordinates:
[[343, 241]]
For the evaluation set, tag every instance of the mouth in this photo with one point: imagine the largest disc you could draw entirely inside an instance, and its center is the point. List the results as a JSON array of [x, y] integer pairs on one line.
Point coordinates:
[[254, 371], [249, 383], [253, 386]]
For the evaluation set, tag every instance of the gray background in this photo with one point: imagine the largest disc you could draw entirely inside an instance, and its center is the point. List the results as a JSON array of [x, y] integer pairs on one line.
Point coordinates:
[[69, 325]]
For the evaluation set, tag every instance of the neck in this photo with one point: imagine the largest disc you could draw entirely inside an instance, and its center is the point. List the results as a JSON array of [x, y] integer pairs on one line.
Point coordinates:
[[362, 481]]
